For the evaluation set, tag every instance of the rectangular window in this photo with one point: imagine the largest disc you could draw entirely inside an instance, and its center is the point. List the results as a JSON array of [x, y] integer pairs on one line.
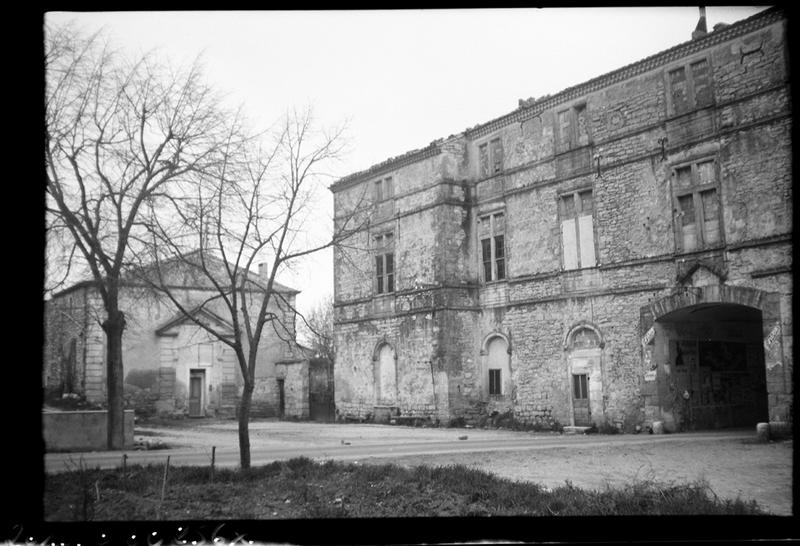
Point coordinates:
[[495, 386], [690, 87], [581, 125], [490, 157], [497, 155], [389, 271], [679, 89], [573, 128], [499, 256], [564, 129], [384, 189], [384, 263], [577, 229], [491, 230], [388, 188], [710, 216], [580, 387], [697, 210], [486, 252], [483, 159], [687, 223], [701, 80]]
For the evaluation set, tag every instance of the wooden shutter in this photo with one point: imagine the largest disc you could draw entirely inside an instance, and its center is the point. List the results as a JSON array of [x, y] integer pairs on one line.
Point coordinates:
[[701, 79]]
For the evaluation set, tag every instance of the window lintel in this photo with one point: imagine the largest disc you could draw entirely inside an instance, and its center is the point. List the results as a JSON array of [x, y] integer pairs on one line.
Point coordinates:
[[577, 189]]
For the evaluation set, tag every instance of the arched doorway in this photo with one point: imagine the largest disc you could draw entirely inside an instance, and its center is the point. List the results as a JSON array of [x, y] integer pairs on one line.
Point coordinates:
[[497, 379], [385, 375], [584, 365], [712, 371]]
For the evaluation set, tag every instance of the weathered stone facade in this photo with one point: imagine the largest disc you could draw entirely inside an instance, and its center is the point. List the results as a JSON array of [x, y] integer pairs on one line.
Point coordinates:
[[165, 354], [576, 233]]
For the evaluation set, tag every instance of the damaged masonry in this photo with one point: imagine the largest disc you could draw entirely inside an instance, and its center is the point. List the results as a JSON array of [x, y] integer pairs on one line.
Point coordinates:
[[616, 254]]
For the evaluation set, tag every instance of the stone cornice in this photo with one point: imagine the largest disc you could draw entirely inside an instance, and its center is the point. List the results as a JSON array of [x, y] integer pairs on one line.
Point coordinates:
[[392, 163], [535, 108], [647, 64]]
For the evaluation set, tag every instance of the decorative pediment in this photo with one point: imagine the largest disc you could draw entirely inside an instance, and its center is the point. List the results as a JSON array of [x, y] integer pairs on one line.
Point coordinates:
[[204, 316], [701, 272]]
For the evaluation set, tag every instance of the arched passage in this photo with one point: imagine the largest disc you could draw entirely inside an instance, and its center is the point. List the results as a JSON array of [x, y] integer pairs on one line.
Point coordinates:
[[710, 364], [583, 345]]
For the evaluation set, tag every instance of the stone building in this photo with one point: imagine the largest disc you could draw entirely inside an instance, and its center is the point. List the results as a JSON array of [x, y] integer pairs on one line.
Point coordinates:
[[615, 254], [172, 365]]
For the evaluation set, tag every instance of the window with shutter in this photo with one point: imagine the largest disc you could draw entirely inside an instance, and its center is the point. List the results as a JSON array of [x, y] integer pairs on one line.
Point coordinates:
[[577, 230], [490, 158], [572, 128]]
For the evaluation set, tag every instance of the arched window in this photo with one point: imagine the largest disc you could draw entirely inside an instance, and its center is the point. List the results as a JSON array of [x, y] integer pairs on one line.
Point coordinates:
[[498, 367], [584, 338], [385, 375]]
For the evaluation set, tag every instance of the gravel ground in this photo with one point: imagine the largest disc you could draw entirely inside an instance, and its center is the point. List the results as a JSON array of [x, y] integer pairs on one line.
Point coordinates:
[[287, 434], [732, 467]]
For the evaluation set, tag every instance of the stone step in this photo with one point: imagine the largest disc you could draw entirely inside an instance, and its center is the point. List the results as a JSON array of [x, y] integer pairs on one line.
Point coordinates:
[[575, 430]]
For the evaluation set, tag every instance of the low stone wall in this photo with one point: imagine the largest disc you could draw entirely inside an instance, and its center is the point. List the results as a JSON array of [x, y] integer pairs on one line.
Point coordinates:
[[80, 430]]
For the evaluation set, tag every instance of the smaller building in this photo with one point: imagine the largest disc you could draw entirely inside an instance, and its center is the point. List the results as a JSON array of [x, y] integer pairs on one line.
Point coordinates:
[[172, 365]]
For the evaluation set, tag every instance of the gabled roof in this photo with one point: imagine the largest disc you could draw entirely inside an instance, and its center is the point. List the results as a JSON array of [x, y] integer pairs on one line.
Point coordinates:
[[185, 272], [200, 313]]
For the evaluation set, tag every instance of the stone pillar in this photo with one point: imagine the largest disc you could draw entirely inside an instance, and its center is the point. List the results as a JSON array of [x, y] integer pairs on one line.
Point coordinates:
[[95, 378]]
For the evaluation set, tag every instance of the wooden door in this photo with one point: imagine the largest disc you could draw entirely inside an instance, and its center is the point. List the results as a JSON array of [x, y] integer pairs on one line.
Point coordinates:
[[281, 399], [196, 395], [320, 390], [580, 400]]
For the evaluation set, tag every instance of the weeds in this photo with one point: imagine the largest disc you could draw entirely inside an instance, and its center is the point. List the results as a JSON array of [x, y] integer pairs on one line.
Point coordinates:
[[302, 488]]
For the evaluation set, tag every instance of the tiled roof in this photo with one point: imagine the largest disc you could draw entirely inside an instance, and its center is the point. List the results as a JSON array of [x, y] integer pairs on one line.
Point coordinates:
[[212, 262]]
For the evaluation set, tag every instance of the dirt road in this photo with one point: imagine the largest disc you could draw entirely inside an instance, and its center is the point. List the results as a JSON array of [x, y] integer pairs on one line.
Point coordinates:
[[731, 462]]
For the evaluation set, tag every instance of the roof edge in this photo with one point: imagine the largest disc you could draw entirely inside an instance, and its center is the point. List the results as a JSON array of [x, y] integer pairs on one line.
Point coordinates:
[[130, 284], [533, 108], [433, 149]]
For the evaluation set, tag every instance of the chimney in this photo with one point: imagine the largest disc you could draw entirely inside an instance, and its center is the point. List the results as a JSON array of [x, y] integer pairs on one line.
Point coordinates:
[[262, 271], [701, 30]]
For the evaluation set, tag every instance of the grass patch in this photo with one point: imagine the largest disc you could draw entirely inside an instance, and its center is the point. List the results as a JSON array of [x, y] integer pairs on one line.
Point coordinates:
[[302, 488]]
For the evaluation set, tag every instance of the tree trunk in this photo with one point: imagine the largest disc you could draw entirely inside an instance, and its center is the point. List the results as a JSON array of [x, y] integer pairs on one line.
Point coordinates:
[[114, 326], [244, 420]]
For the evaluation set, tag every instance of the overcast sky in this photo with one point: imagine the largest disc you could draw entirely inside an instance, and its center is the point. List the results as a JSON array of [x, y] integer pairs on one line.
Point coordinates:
[[400, 78]]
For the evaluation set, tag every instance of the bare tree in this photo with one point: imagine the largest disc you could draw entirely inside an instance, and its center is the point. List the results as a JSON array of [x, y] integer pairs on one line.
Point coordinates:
[[253, 210], [119, 133], [319, 329]]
